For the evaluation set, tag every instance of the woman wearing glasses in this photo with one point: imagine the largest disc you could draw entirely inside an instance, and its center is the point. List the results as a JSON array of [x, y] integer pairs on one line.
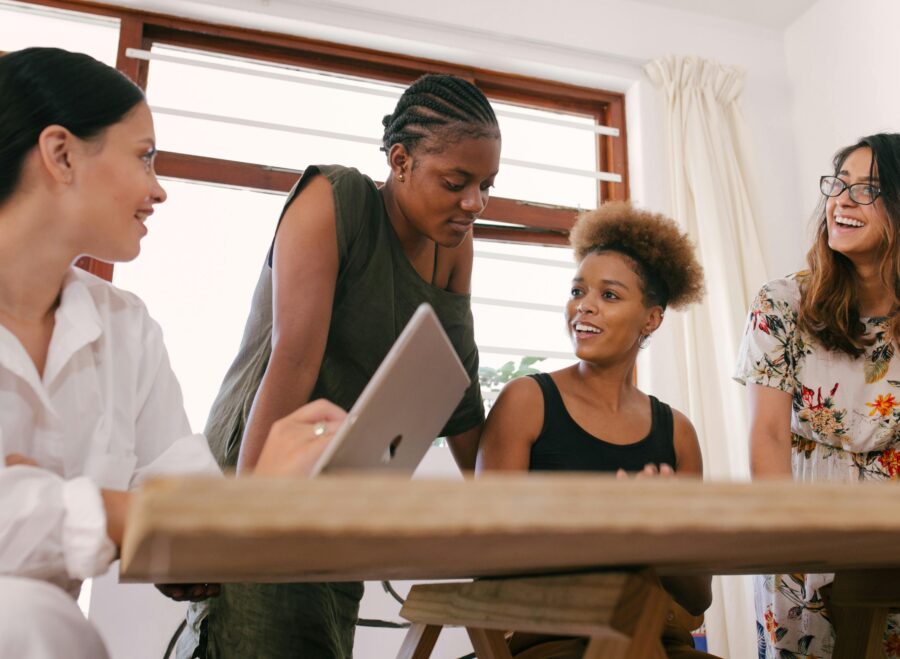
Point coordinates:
[[818, 359]]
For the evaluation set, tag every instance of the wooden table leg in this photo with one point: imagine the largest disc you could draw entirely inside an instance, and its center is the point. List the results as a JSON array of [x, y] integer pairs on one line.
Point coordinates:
[[861, 634], [488, 643], [858, 604], [419, 641]]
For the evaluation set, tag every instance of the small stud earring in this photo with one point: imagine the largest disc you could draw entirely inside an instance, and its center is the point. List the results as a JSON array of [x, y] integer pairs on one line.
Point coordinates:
[[400, 177]]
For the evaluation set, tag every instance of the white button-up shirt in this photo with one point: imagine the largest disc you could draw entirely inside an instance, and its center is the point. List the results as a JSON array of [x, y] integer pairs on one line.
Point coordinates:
[[107, 413]]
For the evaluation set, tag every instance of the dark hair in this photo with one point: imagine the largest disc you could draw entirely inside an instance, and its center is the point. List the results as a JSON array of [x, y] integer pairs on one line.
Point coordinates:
[[444, 104], [662, 256], [829, 300], [40, 87]]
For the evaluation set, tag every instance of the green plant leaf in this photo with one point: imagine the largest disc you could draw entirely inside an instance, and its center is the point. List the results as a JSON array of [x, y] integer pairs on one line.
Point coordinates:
[[528, 361]]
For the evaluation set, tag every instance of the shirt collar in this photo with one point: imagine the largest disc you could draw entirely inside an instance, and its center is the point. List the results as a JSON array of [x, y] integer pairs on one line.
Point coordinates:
[[77, 323]]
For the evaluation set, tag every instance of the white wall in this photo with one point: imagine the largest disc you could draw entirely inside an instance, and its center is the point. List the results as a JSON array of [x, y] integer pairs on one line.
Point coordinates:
[[842, 65]]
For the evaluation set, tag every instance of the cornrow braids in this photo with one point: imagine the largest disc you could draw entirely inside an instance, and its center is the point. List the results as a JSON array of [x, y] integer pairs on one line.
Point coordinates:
[[439, 103]]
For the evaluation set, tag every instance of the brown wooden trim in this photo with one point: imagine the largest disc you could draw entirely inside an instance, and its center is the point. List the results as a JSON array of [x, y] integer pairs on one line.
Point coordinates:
[[143, 29], [617, 153], [513, 235], [225, 172], [162, 27], [102, 269], [381, 65], [350, 60], [260, 177], [534, 216], [131, 35]]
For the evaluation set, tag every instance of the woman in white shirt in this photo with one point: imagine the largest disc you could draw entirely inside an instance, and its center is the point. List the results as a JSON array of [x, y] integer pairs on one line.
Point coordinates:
[[89, 406]]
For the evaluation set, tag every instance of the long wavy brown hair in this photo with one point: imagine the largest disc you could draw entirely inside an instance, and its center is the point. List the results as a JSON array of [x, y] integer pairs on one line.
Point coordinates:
[[829, 294]]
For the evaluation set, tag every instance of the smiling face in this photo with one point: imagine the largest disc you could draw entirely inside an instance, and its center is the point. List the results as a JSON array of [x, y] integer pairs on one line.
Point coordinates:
[[441, 193], [116, 187], [606, 315], [855, 230]]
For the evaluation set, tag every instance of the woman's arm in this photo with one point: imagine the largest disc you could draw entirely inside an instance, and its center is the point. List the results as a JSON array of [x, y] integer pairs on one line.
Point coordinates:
[[512, 427], [688, 458], [116, 503], [50, 528], [693, 593], [464, 448], [304, 275], [770, 431]]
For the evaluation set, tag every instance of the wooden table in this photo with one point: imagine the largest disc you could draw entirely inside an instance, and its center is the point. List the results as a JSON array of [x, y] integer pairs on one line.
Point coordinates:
[[375, 528]]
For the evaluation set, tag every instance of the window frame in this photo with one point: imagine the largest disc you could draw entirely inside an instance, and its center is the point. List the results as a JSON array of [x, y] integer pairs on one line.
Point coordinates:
[[512, 220]]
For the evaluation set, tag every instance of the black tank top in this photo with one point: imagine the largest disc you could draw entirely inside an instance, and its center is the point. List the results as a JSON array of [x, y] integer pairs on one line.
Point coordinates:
[[563, 445]]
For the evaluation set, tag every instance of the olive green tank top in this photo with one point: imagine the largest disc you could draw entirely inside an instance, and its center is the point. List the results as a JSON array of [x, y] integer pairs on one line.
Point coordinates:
[[377, 292]]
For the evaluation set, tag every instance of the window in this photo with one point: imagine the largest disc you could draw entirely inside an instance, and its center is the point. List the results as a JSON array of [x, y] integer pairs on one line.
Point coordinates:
[[240, 113], [198, 267]]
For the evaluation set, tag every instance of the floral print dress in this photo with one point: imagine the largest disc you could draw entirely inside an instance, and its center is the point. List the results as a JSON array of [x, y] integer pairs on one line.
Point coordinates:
[[845, 426]]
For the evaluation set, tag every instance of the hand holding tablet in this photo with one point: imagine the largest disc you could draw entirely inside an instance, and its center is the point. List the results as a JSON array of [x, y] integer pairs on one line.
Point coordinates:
[[405, 405]]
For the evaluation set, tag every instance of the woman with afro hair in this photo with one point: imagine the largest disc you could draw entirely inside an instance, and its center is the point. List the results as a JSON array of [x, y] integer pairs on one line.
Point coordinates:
[[631, 266]]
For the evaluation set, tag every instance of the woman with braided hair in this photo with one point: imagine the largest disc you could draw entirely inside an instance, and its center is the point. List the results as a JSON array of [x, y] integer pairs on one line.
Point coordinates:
[[590, 416], [349, 264]]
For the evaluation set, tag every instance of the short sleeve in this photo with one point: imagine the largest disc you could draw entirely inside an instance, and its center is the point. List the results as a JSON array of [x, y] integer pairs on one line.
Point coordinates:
[[770, 347], [355, 204], [355, 200]]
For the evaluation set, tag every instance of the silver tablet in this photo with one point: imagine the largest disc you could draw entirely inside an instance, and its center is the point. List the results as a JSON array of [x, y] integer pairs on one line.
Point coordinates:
[[406, 403]]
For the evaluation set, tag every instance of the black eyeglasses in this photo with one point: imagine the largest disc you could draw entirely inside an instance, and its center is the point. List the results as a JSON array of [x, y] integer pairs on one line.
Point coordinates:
[[861, 193]]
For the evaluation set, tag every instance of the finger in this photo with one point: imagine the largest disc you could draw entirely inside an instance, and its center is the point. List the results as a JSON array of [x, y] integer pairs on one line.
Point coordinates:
[[198, 592], [291, 453], [621, 474], [649, 471], [318, 410], [308, 455], [204, 592], [175, 592], [666, 470], [321, 429]]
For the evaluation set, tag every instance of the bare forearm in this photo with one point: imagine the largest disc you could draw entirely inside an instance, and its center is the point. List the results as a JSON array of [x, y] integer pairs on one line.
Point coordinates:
[[281, 391], [116, 503], [464, 448], [770, 455]]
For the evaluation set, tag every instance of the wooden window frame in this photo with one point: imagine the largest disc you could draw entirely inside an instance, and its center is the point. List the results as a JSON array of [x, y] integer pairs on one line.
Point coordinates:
[[525, 222]]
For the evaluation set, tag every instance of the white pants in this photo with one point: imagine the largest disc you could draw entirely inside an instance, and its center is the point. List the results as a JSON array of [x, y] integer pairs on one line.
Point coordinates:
[[41, 621]]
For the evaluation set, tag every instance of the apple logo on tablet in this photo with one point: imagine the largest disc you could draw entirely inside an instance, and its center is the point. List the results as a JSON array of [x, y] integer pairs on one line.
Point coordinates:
[[391, 451]]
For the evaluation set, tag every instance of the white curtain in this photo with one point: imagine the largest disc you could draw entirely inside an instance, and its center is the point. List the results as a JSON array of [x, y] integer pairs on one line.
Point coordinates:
[[708, 163]]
